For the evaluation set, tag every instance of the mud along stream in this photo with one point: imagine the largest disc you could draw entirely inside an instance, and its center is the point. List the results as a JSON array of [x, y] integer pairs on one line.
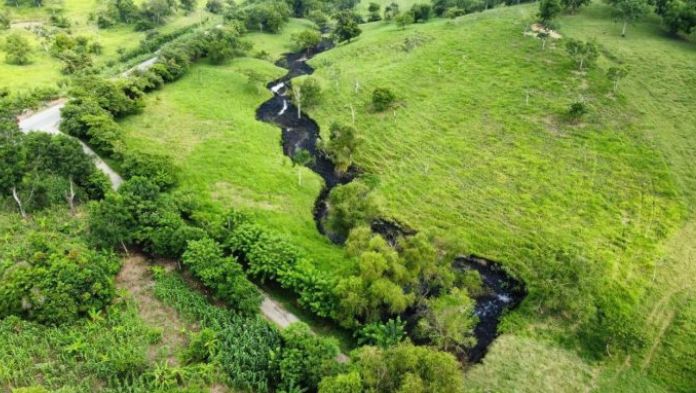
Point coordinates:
[[302, 133]]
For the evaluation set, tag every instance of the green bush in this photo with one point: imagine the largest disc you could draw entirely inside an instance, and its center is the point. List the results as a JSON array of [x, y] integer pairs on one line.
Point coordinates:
[[382, 99], [306, 357], [56, 283], [222, 274]]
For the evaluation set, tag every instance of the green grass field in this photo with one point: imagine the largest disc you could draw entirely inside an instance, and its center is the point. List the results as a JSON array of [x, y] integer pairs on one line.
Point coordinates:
[[206, 123], [44, 70]]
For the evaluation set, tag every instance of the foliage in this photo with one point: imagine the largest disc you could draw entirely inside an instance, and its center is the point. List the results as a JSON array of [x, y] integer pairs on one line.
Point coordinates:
[[382, 98], [305, 357], [346, 27], [268, 15], [307, 39], [404, 19], [376, 289], [577, 109], [548, 10], [17, 49], [615, 74], [342, 143], [223, 44], [629, 11], [306, 93], [573, 5], [52, 277], [350, 206], [383, 335], [583, 53], [156, 168], [449, 321], [421, 12], [677, 15], [223, 275], [5, 19], [402, 368]]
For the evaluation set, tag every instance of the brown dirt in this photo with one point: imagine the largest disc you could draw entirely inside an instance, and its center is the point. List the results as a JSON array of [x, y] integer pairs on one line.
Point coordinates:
[[136, 278]]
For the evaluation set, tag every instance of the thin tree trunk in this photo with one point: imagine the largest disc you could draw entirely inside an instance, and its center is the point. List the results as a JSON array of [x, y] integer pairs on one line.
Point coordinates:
[[352, 113], [71, 197], [124, 248], [616, 85], [543, 44], [582, 61], [19, 202], [623, 31]]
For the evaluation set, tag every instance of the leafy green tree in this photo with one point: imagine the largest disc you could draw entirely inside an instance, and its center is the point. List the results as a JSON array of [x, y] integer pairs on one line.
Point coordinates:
[[17, 49], [224, 276], [342, 383], [349, 206], [402, 368], [374, 9], [320, 19], [377, 288], [629, 11], [677, 15], [188, 5], [450, 320], [574, 5], [391, 11], [306, 94], [157, 10], [342, 144], [583, 53], [301, 158], [12, 164], [548, 9], [307, 39], [615, 74], [346, 27], [421, 12], [404, 19], [382, 98], [305, 357], [224, 43], [383, 335], [214, 6]]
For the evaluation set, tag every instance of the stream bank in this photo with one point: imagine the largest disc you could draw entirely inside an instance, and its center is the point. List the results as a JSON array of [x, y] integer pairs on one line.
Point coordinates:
[[503, 292]]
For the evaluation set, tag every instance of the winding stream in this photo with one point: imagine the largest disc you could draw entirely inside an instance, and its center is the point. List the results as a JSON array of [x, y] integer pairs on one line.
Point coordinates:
[[301, 132]]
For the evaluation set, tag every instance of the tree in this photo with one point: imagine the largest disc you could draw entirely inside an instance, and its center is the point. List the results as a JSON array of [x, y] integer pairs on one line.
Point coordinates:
[[382, 98], [17, 49], [320, 19], [583, 53], [305, 357], [373, 8], [188, 5], [403, 20], [383, 335], [350, 205], [342, 143], [677, 15], [548, 9], [450, 320], [214, 6], [615, 74], [307, 39], [421, 12], [404, 368], [301, 158], [12, 164], [574, 5], [346, 27], [224, 275], [391, 11], [629, 11]]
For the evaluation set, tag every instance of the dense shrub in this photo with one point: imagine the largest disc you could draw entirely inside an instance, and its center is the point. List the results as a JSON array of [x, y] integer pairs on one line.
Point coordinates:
[[157, 168], [269, 15], [222, 274], [382, 99], [349, 206], [421, 12], [305, 357], [403, 368], [53, 278]]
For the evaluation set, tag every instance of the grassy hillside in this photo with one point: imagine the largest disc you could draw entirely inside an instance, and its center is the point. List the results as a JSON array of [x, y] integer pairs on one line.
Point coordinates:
[[480, 152], [206, 123]]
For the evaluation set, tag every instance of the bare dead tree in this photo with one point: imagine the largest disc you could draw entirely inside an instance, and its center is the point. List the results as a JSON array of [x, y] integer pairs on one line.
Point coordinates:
[[19, 202], [70, 196]]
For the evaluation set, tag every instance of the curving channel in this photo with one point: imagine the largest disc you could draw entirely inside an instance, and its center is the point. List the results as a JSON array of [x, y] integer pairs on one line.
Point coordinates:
[[299, 131]]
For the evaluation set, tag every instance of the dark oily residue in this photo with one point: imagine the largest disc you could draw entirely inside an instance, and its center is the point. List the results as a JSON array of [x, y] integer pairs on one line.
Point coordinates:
[[504, 292]]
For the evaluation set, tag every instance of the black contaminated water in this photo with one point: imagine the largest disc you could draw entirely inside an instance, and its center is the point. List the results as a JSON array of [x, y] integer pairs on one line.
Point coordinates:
[[300, 132]]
